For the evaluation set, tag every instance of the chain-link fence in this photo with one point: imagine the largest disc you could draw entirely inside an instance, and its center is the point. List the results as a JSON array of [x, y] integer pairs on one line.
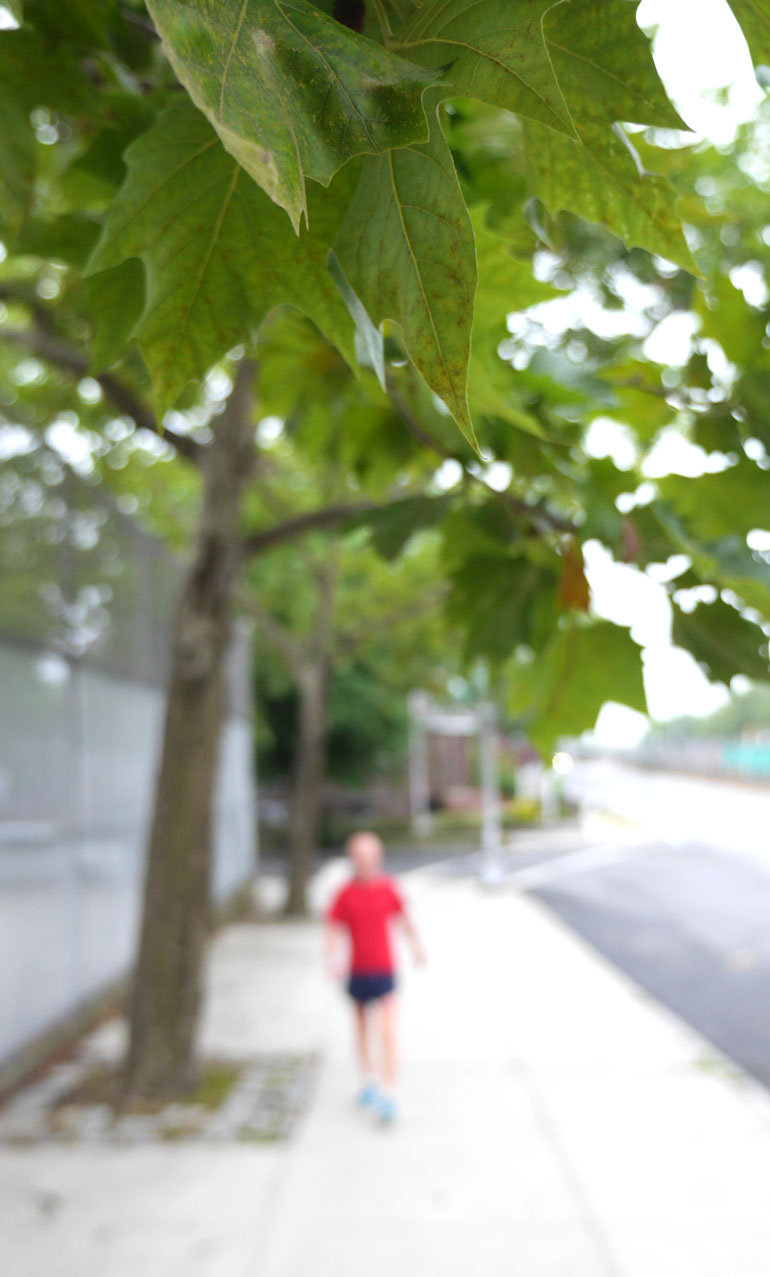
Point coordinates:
[[86, 600]]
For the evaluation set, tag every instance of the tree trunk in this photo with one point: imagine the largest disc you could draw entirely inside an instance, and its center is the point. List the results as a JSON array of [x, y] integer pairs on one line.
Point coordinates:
[[310, 757], [167, 983]]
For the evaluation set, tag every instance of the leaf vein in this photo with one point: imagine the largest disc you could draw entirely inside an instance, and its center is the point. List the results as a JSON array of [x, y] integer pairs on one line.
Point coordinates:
[[236, 36], [418, 273]]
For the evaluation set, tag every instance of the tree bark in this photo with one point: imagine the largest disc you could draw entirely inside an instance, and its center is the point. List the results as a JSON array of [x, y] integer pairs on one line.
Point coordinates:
[[310, 758], [167, 984]]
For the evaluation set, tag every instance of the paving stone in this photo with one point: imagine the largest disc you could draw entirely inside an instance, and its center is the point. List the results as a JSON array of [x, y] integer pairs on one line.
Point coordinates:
[[263, 1103]]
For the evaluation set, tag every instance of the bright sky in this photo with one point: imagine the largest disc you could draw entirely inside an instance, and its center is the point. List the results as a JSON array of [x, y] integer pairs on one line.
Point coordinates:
[[699, 49]]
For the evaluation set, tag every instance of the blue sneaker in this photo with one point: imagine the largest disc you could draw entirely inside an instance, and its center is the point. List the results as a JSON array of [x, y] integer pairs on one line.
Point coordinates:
[[369, 1095], [387, 1110]]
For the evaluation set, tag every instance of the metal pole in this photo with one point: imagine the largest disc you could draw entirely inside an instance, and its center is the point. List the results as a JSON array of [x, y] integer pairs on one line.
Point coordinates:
[[549, 808], [419, 785], [75, 807], [492, 873]]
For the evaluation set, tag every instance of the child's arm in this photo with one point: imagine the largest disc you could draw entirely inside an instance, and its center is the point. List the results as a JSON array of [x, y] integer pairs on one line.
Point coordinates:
[[334, 948], [414, 939]]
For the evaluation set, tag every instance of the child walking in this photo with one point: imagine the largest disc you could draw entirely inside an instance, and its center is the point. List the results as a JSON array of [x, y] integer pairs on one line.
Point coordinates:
[[360, 916]]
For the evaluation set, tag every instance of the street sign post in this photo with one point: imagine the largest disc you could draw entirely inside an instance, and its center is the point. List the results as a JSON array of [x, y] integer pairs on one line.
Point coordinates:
[[426, 717]]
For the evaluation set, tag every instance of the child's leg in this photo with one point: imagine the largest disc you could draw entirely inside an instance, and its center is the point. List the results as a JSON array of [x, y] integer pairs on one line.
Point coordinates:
[[363, 1042], [388, 1029]]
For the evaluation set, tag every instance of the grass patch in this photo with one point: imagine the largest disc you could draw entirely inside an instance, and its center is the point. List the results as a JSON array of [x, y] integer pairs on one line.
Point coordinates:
[[216, 1081], [259, 1099], [718, 1065], [102, 1085]]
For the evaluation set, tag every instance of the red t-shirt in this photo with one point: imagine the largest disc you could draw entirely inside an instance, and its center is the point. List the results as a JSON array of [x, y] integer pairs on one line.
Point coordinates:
[[365, 906]]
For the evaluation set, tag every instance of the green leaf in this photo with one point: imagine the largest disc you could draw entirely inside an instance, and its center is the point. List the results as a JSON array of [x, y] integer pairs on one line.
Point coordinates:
[[81, 23], [598, 485], [738, 327], [115, 305], [34, 74], [754, 18], [722, 641], [17, 163], [304, 379], [731, 564], [497, 54], [218, 254], [603, 63], [752, 392], [605, 69], [726, 562], [641, 397], [573, 387], [488, 147], [718, 430], [482, 533], [562, 690], [370, 344], [69, 238], [391, 528], [30, 75], [406, 247], [505, 284], [715, 505], [291, 92], [599, 179], [491, 393], [496, 598]]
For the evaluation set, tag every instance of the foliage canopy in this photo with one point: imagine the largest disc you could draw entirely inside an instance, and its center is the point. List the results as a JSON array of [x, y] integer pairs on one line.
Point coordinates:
[[172, 176], [344, 131]]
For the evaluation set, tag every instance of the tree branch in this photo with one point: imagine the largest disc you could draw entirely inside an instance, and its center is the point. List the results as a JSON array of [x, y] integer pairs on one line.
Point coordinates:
[[41, 342], [140, 23], [636, 383], [537, 515], [313, 521]]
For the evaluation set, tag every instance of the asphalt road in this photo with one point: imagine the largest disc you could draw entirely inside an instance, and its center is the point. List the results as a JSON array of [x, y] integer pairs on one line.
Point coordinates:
[[688, 920], [691, 924]]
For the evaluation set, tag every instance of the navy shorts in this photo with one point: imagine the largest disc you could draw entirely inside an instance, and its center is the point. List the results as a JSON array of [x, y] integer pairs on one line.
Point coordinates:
[[370, 987]]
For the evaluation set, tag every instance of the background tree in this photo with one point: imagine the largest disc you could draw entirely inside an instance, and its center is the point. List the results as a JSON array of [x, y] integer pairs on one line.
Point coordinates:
[[354, 636], [327, 603], [746, 712]]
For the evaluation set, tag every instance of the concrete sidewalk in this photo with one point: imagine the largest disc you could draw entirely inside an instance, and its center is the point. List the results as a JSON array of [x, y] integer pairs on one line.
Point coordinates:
[[554, 1121]]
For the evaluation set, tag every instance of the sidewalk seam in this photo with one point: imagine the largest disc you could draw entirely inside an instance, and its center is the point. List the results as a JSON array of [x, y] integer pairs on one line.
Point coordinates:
[[589, 1216], [737, 1079]]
